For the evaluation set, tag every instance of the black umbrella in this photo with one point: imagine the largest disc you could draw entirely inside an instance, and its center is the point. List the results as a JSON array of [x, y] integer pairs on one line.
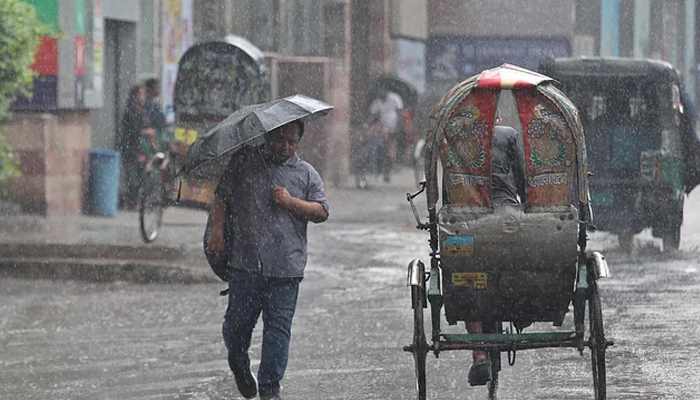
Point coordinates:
[[247, 126]]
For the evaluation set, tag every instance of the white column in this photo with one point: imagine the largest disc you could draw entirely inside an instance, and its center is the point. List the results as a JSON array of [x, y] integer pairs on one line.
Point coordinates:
[[689, 62], [642, 16]]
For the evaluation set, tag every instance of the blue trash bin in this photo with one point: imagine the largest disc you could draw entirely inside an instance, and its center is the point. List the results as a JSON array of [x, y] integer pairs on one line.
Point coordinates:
[[103, 183]]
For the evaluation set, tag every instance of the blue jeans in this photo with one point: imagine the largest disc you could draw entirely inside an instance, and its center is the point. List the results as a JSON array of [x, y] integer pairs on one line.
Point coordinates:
[[249, 294]]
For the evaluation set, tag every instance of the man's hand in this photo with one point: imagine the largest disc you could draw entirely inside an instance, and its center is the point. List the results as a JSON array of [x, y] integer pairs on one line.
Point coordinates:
[[308, 210], [215, 242], [282, 197]]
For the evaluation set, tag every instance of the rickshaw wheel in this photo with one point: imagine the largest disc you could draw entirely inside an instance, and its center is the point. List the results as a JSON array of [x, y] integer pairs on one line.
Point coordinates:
[[598, 344], [420, 345], [495, 358], [152, 196]]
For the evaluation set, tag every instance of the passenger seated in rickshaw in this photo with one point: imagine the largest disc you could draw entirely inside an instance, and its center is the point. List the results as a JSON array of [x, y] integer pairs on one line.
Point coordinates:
[[507, 188]]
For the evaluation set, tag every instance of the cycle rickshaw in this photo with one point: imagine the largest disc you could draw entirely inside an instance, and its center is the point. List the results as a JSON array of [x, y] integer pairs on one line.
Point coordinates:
[[507, 264], [214, 79]]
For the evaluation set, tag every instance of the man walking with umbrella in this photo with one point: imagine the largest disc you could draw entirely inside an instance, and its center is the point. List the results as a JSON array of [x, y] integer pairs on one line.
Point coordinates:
[[268, 195]]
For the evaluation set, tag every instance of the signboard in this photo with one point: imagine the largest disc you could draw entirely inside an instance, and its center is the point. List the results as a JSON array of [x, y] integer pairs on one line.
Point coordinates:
[[94, 54], [410, 62], [456, 58], [178, 35]]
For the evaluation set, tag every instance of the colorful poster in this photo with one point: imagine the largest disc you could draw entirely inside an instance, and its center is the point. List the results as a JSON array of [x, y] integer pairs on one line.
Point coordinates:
[[178, 35], [93, 55]]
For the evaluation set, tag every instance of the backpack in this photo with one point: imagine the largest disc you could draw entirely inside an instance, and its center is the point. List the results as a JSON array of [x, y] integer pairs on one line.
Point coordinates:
[[219, 264]]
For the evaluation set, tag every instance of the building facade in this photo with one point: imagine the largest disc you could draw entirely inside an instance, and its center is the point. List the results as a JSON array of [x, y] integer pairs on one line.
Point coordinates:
[[330, 49], [660, 29], [466, 37]]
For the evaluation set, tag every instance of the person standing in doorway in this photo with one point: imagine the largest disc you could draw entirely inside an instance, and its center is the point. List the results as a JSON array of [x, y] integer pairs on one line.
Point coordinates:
[[268, 199]]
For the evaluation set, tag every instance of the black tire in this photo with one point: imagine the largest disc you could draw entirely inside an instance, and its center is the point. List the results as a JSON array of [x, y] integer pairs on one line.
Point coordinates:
[[597, 342], [495, 358], [152, 202], [672, 238], [420, 345], [625, 240]]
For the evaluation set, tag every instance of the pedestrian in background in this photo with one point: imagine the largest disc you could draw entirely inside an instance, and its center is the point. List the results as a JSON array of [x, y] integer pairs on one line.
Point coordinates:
[[135, 129], [149, 145], [387, 109], [153, 107], [267, 251]]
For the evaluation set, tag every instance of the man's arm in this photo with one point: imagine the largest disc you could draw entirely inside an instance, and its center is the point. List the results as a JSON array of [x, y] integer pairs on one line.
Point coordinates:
[[518, 157], [215, 243], [308, 210]]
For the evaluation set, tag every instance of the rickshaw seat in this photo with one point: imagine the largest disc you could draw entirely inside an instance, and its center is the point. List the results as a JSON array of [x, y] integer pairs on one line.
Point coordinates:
[[506, 264]]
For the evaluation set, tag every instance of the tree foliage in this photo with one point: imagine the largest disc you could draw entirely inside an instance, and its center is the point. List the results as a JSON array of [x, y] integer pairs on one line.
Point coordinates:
[[20, 31]]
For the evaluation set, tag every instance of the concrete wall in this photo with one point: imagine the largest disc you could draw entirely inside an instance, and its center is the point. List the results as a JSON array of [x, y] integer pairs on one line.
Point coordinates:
[[501, 18], [409, 19], [53, 151]]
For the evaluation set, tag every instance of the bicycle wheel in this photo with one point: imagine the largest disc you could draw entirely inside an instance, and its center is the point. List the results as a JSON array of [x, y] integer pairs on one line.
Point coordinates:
[[420, 345], [152, 202], [597, 342]]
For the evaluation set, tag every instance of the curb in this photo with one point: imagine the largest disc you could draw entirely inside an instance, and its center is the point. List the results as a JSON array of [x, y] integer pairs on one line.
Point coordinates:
[[93, 251], [105, 270]]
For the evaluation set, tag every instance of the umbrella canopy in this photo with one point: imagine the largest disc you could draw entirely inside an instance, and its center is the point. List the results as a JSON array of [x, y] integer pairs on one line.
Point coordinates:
[[248, 125], [408, 92]]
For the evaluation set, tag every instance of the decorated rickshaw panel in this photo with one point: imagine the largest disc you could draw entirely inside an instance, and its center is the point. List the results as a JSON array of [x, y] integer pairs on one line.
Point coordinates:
[[436, 125], [465, 150], [550, 150], [571, 114]]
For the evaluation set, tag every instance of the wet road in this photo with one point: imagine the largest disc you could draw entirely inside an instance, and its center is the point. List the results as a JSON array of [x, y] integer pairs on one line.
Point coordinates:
[[77, 340]]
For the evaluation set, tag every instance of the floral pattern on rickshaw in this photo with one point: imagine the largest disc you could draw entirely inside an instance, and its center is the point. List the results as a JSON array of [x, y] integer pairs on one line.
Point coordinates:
[[549, 138], [548, 153], [466, 131]]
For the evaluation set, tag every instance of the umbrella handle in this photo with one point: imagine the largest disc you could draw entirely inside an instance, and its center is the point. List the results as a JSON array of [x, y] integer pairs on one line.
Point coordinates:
[[267, 169]]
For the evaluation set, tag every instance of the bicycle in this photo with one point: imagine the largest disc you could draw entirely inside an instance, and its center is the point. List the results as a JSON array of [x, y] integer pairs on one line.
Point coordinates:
[[152, 196]]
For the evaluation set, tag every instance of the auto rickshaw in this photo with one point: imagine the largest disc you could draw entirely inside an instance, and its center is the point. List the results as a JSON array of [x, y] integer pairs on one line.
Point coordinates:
[[214, 79], [507, 264], [641, 141]]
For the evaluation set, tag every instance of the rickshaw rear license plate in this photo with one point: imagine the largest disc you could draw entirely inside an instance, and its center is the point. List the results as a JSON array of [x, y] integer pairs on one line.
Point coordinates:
[[458, 246], [604, 198]]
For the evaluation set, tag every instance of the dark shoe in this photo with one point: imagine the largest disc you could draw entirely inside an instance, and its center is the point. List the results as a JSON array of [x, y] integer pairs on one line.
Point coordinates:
[[479, 373], [246, 383], [270, 396]]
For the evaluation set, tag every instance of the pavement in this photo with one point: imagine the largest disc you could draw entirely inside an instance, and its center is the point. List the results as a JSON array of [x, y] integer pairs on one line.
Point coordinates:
[[110, 248]]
